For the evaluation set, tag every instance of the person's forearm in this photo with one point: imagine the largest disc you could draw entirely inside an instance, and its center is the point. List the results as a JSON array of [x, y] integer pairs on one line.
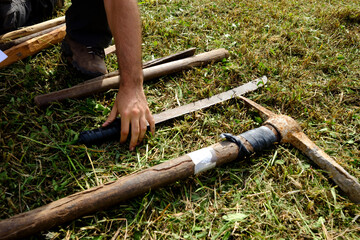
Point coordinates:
[[124, 21]]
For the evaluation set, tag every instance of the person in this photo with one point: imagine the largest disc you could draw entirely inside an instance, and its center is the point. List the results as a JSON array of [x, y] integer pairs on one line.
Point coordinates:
[[90, 27]]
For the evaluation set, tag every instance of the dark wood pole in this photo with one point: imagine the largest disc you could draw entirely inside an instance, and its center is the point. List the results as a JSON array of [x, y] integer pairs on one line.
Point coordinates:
[[112, 193]]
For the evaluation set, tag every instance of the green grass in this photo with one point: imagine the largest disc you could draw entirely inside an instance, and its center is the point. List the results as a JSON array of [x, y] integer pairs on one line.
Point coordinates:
[[309, 50]]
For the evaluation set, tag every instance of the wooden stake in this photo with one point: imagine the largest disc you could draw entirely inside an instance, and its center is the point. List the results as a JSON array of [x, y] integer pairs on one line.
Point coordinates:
[[102, 85], [177, 56]]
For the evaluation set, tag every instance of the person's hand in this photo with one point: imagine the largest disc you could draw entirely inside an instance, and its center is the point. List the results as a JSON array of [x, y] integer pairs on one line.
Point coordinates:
[[133, 108], [125, 24]]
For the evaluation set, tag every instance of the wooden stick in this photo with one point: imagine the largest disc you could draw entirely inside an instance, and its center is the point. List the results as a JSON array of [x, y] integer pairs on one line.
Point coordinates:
[[33, 46], [110, 49], [102, 85], [31, 29], [110, 194], [9, 44], [177, 56]]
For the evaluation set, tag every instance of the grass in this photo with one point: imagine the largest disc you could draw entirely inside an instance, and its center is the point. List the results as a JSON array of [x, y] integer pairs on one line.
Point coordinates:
[[309, 50]]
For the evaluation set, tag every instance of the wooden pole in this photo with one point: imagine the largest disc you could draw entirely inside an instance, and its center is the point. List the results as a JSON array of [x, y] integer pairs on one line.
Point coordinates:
[[11, 43], [102, 85], [112, 193], [110, 49], [173, 57], [33, 46], [31, 29]]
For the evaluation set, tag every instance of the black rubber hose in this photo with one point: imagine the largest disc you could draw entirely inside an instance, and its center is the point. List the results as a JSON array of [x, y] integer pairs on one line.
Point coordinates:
[[101, 135]]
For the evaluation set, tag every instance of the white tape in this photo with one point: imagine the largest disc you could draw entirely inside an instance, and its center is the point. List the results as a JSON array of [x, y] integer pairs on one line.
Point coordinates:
[[204, 159]]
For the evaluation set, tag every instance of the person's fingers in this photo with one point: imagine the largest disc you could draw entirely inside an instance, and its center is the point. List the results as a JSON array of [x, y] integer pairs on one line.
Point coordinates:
[[135, 132], [151, 121], [113, 114], [125, 122], [143, 128]]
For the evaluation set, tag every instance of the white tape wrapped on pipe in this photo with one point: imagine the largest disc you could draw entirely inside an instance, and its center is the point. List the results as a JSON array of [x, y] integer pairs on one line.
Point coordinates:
[[204, 159]]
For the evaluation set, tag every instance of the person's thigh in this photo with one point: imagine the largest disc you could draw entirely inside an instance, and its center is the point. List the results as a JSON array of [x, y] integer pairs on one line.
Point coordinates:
[[86, 23]]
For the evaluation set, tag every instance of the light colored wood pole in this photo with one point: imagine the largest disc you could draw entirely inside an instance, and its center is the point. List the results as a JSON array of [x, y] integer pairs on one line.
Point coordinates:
[[9, 44], [31, 29], [102, 85], [173, 57]]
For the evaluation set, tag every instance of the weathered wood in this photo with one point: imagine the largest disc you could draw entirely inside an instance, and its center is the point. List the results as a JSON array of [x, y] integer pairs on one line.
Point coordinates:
[[9, 44], [291, 132], [347, 183], [33, 46], [31, 29], [177, 56], [102, 85], [109, 194]]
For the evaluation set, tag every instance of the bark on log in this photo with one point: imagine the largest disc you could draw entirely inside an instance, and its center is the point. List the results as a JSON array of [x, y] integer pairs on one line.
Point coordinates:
[[33, 46], [31, 29], [102, 85], [109, 194]]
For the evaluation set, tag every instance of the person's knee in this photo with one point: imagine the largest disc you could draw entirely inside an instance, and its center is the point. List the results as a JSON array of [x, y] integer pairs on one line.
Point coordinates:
[[43, 9]]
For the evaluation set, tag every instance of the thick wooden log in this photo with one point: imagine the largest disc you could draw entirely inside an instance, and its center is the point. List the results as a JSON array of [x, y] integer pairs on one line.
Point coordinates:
[[33, 46], [102, 85], [112, 193], [31, 29]]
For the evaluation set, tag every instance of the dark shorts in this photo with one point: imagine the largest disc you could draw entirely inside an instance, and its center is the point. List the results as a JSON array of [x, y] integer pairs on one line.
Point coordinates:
[[87, 24], [14, 14], [86, 20]]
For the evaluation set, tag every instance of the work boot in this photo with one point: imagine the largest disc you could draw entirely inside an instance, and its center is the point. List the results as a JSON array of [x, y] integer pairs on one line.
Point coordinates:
[[87, 60]]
